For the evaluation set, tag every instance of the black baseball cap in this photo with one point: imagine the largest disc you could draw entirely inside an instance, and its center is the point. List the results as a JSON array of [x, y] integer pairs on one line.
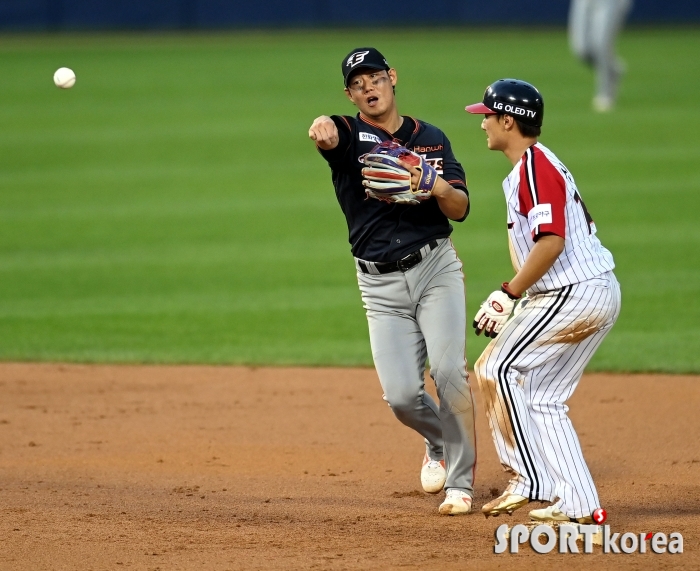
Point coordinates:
[[512, 97], [362, 58]]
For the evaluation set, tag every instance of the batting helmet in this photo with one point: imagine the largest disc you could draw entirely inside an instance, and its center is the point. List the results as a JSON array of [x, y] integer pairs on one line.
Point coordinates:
[[512, 97]]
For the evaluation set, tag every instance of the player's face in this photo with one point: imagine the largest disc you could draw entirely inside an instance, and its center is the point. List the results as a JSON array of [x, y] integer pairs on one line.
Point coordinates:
[[372, 91], [495, 133]]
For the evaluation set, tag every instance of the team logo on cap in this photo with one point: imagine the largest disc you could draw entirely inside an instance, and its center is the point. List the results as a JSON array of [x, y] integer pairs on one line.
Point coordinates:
[[357, 57]]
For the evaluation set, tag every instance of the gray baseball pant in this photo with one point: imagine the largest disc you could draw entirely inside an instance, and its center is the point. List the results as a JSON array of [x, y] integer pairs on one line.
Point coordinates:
[[421, 314], [593, 28]]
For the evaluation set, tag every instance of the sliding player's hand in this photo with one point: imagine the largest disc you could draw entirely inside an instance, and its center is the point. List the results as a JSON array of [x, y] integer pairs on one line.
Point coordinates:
[[493, 313]]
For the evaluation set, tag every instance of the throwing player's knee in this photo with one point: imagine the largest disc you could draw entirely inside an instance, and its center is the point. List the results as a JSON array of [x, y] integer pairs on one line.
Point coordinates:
[[403, 402]]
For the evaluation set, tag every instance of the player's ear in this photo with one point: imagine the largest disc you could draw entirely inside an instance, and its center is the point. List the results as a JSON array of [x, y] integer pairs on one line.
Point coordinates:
[[392, 76], [347, 92]]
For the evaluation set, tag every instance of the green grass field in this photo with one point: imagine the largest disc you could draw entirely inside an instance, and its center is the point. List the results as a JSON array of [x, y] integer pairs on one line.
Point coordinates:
[[170, 207]]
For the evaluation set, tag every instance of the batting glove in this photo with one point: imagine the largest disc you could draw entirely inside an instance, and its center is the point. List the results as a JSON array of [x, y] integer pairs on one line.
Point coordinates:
[[494, 312]]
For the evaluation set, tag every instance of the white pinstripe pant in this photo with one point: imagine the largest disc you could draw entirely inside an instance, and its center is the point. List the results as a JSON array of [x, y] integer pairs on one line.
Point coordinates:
[[527, 374]]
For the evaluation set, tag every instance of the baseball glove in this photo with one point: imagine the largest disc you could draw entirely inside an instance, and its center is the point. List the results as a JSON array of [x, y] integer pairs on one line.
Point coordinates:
[[385, 178]]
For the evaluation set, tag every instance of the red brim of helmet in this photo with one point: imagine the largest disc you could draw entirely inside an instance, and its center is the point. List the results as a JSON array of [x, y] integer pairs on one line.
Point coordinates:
[[479, 109]]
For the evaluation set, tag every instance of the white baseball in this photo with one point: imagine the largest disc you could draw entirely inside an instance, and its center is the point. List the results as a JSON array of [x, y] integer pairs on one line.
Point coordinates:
[[64, 78]]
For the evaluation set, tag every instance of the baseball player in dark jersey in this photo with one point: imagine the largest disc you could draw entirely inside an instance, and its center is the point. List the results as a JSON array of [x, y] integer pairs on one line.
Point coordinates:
[[408, 272]]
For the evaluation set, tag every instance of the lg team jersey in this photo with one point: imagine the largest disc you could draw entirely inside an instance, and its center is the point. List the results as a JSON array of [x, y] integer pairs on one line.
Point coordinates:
[[543, 199]]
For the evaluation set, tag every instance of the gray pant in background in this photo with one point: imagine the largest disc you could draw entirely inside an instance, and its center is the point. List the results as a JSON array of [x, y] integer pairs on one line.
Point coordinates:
[[593, 28], [417, 314]]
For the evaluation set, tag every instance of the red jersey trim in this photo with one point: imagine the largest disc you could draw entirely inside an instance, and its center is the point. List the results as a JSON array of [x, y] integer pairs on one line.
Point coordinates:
[[373, 124], [542, 184]]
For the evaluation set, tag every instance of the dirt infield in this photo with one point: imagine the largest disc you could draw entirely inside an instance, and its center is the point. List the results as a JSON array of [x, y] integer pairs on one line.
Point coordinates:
[[144, 467]]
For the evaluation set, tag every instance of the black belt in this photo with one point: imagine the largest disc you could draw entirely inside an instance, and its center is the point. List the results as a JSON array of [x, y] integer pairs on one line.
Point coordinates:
[[402, 265]]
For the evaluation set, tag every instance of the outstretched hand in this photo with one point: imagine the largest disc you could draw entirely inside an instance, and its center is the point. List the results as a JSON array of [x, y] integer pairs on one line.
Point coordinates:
[[325, 132]]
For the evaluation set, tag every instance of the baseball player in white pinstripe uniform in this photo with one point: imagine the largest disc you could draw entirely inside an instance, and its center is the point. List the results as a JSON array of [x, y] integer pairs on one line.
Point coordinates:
[[537, 356]]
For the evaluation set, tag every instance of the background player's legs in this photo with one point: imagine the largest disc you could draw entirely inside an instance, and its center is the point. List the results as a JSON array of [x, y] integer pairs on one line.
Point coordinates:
[[580, 20], [593, 29], [399, 354], [441, 315], [527, 373], [607, 20]]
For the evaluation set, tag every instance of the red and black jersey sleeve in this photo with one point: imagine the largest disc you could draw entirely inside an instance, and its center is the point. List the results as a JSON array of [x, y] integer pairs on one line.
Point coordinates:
[[452, 170], [542, 194], [453, 173]]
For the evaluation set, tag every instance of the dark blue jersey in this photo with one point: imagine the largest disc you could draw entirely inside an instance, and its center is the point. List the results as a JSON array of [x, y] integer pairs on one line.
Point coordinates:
[[378, 231]]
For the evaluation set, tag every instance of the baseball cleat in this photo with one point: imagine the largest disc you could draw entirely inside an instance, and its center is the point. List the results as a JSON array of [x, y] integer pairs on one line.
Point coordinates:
[[457, 502], [603, 104], [432, 475], [552, 513], [506, 503]]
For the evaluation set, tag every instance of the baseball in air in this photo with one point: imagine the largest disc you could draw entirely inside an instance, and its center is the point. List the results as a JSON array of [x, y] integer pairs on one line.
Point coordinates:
[[64, 78]]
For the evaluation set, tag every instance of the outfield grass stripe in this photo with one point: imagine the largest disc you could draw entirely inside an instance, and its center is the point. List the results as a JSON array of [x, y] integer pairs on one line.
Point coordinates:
[[147, 218], [284, 298], [262, 254], [237, 204]]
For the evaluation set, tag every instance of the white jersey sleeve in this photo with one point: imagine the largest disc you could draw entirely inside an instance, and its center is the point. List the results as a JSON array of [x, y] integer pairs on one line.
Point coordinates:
[[543, 199]]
